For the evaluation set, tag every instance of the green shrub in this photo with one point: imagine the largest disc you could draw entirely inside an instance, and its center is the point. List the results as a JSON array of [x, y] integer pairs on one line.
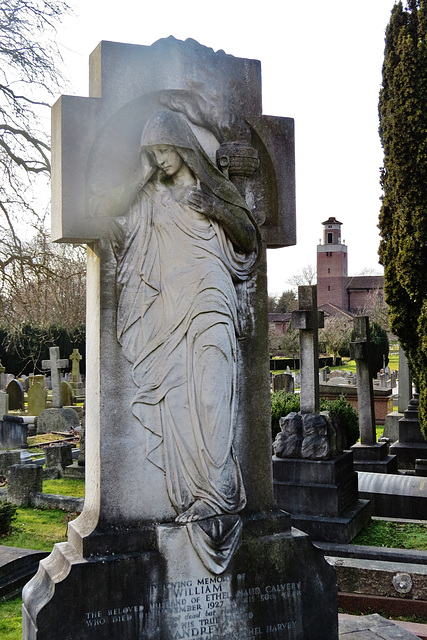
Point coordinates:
[[283, 403], [7, 514], [347, 416]]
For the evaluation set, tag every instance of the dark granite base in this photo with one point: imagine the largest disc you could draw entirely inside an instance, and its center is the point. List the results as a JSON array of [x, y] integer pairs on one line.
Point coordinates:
[[274, 588], [374, 458], [324, 488], [407, 452], [341, 529], [17, 566], [394, 496]]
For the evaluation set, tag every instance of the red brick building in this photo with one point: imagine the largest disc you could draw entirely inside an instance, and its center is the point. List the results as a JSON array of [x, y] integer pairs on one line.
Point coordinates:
[[334, 286]]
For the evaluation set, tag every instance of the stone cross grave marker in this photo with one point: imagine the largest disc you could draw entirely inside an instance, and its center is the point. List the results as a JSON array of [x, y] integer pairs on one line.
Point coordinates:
[[360, 350], [75, 358], [55, 364], [405, 382], [308, 320], [178, 183]]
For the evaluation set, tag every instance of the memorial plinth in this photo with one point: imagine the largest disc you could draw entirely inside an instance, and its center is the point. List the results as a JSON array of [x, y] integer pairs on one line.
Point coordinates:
[[169, 171], [321, 496], [411, 444]]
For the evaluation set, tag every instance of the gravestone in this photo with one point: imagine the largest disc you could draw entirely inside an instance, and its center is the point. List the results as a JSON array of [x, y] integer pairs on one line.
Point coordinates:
[[55, 364], [15, 392], [13, 432], [391, 426], [283, 382], [4, 403], [411, 444], [369, 455], [76, 379], [36, 399], [313, 477], [180, 536], [2, 376], [67, 394], [56, 418]]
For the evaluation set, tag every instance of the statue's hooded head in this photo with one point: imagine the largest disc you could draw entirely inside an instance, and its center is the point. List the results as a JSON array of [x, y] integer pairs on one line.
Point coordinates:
[[172, 128]]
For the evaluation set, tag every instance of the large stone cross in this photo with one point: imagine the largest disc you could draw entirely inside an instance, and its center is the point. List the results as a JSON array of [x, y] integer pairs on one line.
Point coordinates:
[[177, 182], [360, 350], [308, 320], [55, 364]]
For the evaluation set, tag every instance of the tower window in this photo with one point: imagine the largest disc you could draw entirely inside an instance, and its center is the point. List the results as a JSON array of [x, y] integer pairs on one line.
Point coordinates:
[[329, 287], [329, 270], [330, 238]]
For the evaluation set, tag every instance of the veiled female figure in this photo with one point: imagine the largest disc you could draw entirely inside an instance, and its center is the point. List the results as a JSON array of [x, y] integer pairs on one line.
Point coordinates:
[[187, 238]]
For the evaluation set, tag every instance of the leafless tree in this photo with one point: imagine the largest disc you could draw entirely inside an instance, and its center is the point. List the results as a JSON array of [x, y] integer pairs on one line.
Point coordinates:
[[307, 275], [29, 78], [335, 335]]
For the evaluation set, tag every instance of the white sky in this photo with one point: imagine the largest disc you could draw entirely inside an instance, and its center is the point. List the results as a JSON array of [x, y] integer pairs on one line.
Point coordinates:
[[321, 65]]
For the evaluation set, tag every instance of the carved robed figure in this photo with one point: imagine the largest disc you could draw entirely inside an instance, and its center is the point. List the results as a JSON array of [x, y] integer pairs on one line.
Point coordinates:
[[187, 236]]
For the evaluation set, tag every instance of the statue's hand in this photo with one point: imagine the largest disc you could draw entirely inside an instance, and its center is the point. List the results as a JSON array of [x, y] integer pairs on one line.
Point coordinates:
[[203, 202]]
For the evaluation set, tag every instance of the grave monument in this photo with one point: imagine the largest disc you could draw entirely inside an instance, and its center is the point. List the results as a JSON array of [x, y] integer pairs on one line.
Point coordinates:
[[369, 455], [56, 418], [177, 182], [313, 476]]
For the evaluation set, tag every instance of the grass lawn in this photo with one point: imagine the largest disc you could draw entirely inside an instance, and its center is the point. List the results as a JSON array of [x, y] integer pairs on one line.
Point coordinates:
[[397, 535], [11, 619], [65, 487], [38, 529]]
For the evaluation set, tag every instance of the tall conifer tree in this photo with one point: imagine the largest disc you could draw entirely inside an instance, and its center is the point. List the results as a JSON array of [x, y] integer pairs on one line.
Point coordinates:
[[403, 218]]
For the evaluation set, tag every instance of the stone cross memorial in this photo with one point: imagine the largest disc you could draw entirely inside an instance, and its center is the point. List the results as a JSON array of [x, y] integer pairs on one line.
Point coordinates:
[[369, 455], [55, 364], [177, 182], [308, 320], [75, 358]]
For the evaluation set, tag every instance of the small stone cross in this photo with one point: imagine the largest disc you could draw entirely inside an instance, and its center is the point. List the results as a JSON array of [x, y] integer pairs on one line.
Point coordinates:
[[360, 351], [308, 320], [55, 364], [75, 358]]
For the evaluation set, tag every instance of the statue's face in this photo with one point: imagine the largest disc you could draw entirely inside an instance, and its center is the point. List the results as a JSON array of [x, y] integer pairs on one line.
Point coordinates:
[[167, 158]]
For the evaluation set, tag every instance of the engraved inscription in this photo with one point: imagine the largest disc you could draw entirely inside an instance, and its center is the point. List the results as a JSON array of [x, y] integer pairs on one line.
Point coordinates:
[[208, 607]]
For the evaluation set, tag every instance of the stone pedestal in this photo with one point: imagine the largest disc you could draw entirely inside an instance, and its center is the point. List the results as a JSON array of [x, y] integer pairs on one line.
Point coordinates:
[[411, 443], [321, 496], [274, 587], [59, 456], [22, 481], [374, 458]]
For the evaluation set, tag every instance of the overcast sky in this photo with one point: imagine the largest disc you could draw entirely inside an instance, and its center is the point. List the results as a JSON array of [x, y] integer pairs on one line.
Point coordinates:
[[321, 65]]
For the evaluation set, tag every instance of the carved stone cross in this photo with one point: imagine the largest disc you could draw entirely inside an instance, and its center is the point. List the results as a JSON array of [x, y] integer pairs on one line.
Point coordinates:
[[55, 364], [308, 320], [75, 358], [360, 351]]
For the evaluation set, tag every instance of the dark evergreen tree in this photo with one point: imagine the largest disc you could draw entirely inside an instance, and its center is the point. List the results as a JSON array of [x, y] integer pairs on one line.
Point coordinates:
[[403, 218]]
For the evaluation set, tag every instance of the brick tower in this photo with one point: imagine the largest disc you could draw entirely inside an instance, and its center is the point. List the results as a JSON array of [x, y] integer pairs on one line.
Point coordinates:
[[332, 266]]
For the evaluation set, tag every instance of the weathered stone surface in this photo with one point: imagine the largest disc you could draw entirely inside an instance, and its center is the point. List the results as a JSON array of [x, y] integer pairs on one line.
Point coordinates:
[[15, 392], [13, 432], [179, 453], [67, 394], [7, 459], [59, 456], [36, 399], [57, 420], [268, 590], [22, 481], [372, 627], [394, 496]]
